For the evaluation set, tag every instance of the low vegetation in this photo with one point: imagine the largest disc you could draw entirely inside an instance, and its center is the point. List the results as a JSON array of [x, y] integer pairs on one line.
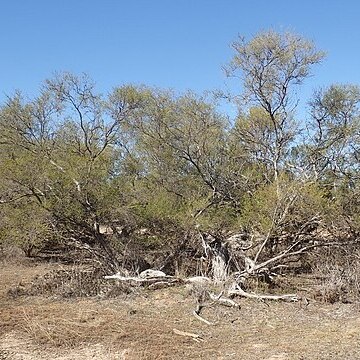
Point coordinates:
[[146, 178]]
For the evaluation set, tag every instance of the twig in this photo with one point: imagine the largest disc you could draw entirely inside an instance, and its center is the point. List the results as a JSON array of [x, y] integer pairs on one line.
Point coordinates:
[[195, 337]]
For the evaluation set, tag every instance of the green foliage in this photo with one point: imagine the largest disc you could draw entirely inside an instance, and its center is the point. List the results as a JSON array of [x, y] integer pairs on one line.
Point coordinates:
[[270, 63], [26, 226], [140, 158], [284, 206]]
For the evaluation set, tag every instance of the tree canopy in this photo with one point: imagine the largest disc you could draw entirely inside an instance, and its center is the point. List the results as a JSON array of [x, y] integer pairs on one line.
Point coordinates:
[[148, 176]]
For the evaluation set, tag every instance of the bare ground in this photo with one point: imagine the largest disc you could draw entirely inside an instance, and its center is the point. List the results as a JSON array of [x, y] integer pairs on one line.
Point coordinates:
[[141, 327]]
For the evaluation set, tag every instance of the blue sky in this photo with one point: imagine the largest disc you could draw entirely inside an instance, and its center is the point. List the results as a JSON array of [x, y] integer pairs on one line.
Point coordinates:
[[179, 44]]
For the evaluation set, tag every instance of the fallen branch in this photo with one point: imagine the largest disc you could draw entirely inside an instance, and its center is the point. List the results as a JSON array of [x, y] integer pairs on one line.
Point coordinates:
[[286, 297], [254, 268], [162, 285], [196, 313], [224, 300], [195, 337], [198, 280], [144, 281], [164, 279]]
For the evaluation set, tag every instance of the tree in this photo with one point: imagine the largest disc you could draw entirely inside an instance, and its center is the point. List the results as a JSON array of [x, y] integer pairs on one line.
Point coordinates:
[[59, 151], [178, 140], [271, 65], [178, 146], [147, 177], [333, 150], [335, 115], [276, 213]]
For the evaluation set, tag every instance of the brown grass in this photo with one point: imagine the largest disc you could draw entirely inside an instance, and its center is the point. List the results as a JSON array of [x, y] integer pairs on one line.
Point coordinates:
[[141, 327], [81, 325]]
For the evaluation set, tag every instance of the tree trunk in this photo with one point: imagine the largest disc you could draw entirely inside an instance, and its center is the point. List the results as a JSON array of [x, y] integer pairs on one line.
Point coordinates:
[[218, 254]]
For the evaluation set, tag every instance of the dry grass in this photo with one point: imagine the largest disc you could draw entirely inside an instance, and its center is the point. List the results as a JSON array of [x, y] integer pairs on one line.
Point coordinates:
[[48, 326], [141, 327], [337, 272]]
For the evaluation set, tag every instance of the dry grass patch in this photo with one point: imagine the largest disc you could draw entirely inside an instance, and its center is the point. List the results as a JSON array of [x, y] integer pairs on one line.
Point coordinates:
[[70, 282], [116, 324], [140, 327], [80, 325]]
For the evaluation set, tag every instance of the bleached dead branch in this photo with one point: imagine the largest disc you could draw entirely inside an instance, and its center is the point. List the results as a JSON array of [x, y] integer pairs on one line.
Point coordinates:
[[287, 297]]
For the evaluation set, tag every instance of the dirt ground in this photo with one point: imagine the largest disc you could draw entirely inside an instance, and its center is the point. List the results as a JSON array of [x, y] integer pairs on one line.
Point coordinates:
[[141, 326]]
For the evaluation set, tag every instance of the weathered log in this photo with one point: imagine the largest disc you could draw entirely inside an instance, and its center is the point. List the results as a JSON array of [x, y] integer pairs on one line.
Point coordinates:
[[217, 252], [145, 281], [286, 297]]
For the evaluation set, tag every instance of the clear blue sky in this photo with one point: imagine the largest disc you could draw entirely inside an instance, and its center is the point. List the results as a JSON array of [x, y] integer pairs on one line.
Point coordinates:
[[180, 44]]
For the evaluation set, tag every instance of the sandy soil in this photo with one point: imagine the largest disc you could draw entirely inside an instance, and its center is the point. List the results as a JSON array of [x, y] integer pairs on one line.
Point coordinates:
[[141, 326]]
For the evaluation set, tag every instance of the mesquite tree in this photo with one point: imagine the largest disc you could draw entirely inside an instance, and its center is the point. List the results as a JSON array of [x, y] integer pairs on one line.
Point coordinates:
[[146, 177], [270, 66]]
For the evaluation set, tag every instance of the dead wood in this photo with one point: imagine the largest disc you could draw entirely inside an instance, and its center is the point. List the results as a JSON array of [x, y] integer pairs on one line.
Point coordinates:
[[224, 300], [196, 313], [144, 281], [162, 285], [195, 337], [216, 299], [241, 292], [198, 280]]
